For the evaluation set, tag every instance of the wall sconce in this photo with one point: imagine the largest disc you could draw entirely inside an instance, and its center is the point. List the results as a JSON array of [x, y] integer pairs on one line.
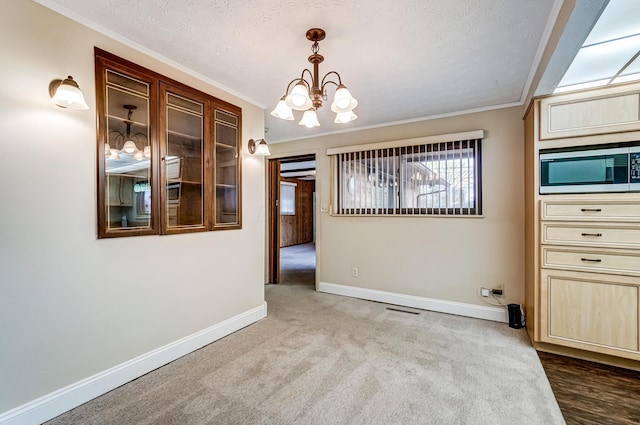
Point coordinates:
[[258, 147], [66, 94]]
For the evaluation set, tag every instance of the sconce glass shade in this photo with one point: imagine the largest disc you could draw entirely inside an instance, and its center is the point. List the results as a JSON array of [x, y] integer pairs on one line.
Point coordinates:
[[282, 110], [263, 149], [66, 94], [129, 147], [345, 117], [299, 98], [309, 119], [343, 101], [259, 147]]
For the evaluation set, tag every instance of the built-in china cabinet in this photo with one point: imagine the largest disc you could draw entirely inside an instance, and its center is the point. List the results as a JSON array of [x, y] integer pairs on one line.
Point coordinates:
[[169, 157], [582, 286]]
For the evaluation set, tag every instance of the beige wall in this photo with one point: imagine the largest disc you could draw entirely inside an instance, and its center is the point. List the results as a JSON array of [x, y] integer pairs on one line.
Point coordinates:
[[71, 305], [435, 257]]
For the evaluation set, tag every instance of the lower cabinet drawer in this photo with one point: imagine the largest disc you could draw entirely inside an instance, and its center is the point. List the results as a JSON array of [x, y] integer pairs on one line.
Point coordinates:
[[591, 234], [617, 261], [590, 311], [577, 209]]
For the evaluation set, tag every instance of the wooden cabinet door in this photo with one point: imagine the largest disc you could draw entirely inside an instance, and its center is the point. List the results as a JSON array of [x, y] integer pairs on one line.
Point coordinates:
[[607, 110], [590, 311]]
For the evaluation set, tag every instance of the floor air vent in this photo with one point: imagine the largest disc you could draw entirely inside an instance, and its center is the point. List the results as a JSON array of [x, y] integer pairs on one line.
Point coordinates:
[[402, 311]]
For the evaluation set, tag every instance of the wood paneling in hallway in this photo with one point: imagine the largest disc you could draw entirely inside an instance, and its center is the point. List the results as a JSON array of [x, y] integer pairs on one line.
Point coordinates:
[[593, 394]]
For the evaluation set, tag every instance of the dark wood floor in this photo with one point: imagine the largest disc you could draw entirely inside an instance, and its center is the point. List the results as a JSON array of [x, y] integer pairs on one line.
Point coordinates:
[[591, 393]]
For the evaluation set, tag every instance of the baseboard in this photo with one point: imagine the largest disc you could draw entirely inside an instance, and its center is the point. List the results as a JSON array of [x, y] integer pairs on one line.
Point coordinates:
[[496, 314], [64, 399]]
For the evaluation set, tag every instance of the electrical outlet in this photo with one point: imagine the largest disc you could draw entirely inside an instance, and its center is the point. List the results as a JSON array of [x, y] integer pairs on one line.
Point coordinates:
[[484, 292], [354, 272]]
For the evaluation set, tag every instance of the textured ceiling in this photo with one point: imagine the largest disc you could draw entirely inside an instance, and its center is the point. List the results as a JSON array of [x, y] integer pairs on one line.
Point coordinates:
[[402, 59]]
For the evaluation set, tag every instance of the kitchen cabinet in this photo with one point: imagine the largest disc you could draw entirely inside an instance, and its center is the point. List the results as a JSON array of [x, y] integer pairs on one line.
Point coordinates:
[[590, 273], [582, 251], [590, 311], [120, 191], [611, 109]]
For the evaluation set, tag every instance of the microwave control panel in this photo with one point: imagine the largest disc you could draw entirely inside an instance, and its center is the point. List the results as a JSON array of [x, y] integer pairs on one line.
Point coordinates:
[[634, 167]]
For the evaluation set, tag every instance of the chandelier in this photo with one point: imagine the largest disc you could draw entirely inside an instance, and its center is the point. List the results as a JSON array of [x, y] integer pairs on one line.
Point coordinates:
[[128, 142], [308, 93]]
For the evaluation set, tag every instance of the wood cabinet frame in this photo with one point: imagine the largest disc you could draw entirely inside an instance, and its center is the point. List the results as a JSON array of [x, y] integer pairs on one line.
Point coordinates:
[[581, 224], [159, 86]]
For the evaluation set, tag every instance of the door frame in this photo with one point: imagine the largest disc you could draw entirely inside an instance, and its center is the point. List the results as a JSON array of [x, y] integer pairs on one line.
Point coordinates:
[[273, 211], [273, 224]]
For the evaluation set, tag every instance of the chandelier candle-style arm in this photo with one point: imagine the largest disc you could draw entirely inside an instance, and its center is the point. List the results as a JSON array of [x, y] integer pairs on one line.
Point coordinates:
[[308, 96]]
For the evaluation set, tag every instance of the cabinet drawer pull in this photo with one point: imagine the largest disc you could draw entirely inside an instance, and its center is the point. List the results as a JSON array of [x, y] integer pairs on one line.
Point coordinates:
[[591, 209], [592, 234], [591, 260]]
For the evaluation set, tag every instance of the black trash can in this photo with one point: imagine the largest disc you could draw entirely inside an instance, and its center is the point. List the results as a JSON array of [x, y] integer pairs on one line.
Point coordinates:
[[516, 316]]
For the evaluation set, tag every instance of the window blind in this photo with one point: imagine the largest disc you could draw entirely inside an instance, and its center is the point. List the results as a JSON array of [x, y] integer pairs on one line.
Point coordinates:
[[409, 178]]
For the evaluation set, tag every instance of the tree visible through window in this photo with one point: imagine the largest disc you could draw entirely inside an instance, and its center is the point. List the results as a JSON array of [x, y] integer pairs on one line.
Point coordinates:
[[425, 179]]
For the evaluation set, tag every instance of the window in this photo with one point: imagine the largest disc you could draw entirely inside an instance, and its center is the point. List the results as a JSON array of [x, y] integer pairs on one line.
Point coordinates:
[[287, 198], [168, 155], [414, 177]]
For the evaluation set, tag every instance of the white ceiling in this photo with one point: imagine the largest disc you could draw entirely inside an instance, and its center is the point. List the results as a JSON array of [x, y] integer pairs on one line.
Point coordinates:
[[403, 60]]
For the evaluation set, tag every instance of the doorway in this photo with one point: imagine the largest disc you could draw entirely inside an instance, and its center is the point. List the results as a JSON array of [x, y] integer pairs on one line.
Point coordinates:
[[292, 220]]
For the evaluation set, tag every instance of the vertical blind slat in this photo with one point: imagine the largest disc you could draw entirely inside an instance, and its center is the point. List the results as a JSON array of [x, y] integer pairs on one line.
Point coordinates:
[[439, 178]]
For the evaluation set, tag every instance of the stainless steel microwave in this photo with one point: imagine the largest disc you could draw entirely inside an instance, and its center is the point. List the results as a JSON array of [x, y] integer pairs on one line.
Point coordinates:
[[591, 169]]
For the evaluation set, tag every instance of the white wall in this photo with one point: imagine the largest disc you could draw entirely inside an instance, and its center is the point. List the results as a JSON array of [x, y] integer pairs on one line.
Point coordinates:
[[445, 258], [71, 305]]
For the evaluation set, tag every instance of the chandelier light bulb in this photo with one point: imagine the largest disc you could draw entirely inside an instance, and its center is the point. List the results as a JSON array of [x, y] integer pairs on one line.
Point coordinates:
[[139, 156], [309, 119], [299, 98], [113, 154], [343, 101], [107, 149], [345, 117], [129, 147], [282, 110], [147, 151], [343, 98]]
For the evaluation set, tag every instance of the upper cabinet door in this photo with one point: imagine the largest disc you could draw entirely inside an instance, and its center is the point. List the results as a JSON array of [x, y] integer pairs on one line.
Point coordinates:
[[601, 111], [125, 192], [183, 160], [168, 155], [228, 194]]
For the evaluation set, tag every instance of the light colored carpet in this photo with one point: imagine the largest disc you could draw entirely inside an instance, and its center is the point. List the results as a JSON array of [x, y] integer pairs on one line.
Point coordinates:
[[326, 359], [298, 264]]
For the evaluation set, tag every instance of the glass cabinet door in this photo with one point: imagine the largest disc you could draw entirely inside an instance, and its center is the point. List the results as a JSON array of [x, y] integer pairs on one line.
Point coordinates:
[[227, 170], [183, 161], [168, 154], [127, 154]]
